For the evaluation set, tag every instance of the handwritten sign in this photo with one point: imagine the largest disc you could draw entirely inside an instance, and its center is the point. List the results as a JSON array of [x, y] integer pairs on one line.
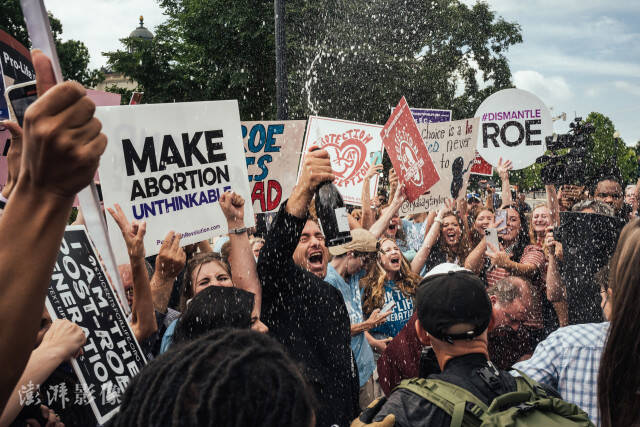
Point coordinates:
[[408, 154], [168, 164], [272, 151], [451, 146], [350, 145], [80, 292]]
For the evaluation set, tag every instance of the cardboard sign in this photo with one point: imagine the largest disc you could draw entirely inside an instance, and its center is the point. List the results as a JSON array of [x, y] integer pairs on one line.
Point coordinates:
[[350, 146], [514, 124], [407, 152], [272, 150], [168, 164], [451, 146], [481, 167], [429, 115], [80, 292]]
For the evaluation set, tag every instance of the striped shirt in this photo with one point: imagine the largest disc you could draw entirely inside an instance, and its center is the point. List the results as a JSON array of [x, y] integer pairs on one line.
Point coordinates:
[[568, 360]]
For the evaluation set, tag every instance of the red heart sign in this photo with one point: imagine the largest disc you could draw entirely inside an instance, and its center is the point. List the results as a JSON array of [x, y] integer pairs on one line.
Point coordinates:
[[347, 158]]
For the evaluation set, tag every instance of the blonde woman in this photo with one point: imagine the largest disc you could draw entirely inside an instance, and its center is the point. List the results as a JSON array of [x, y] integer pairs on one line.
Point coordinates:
[[389, 284]]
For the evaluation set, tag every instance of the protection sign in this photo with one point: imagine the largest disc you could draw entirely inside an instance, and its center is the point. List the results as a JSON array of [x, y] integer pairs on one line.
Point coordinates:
[[407, 152], [272, 151], [514, 124], [168, 164], [451, 146], [350, 145]]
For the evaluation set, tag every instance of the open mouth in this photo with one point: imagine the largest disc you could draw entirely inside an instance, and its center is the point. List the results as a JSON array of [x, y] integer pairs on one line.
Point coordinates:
[[315, 259], [394, 260], [392, 227]]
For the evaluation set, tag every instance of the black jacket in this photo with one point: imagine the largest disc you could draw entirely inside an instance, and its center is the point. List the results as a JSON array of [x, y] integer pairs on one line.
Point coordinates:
[[413, 410], [308, 316]]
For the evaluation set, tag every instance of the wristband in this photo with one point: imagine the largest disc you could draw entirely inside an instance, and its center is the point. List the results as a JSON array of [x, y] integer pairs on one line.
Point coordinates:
[[238, 230], [438, 220]]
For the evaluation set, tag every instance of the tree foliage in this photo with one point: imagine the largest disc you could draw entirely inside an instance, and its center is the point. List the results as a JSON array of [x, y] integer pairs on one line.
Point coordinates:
[[73, 54], [607, 155], [351, 59]]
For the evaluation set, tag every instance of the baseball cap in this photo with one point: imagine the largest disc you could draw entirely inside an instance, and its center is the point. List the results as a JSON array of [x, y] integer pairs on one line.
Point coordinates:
[[361, 241], [450, 295]]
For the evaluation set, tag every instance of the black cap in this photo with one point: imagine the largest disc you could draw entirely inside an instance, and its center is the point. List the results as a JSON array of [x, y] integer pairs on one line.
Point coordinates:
[[450, 298]]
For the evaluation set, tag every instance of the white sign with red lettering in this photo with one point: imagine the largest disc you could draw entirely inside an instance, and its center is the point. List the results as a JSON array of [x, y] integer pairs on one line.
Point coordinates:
[[350, 146]]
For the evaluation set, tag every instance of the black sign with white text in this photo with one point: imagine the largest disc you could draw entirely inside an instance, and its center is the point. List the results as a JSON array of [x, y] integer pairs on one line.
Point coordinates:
[[79, 291]]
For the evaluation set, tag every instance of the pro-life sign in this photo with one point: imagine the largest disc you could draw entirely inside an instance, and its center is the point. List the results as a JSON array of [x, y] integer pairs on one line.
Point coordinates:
[[408, 154], [350, 145], [514, 124], [168, 164], [80, 292]]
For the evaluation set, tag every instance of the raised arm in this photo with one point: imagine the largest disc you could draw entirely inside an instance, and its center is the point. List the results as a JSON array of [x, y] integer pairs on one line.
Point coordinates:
[[169, 263], [475, 259], [275, 261], [62, 145], [378, 228], [503, 171], [554, 205], [368, 217], [430, 239], [241, 260], [13, 160], [143, 321], [63, 340]]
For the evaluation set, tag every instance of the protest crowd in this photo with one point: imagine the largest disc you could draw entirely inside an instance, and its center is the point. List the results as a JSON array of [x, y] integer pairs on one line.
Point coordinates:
[[435, 318]]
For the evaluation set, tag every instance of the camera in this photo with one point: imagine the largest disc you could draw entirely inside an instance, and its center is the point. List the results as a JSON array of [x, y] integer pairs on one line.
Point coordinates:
[[567, 168]]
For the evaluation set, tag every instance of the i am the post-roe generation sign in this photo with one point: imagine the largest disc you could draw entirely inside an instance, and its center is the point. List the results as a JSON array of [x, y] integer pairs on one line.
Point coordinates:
[[513, 125], [168, 164]]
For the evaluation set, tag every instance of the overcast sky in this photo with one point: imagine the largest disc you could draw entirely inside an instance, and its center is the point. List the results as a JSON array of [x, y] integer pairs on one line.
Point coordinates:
[[578, 56]]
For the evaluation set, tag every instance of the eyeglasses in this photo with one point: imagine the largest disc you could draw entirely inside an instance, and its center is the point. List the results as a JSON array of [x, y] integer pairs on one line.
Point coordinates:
[[357, 254]]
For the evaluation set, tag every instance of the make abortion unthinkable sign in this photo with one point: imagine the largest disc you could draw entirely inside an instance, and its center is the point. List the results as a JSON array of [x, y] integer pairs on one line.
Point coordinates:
[[168, 164]]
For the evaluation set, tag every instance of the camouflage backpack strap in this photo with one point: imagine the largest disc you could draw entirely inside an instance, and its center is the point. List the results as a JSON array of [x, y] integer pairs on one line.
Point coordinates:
[[452, 399]]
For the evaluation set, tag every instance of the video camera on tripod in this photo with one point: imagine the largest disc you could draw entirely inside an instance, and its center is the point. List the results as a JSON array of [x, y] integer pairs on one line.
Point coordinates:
[[567, 168]]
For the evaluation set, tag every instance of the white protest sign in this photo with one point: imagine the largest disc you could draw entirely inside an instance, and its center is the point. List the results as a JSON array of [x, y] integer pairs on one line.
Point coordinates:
[[272, 150], [514, 124], [80, 292], [451, 146], [168, 164], [350, 146]]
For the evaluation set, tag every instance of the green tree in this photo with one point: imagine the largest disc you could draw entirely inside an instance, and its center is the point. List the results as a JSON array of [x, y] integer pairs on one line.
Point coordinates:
[[606, 155], [73, 54], [351, 59]]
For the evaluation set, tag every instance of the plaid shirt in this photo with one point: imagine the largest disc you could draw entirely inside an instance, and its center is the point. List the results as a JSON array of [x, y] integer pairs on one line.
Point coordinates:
[[568, 360]]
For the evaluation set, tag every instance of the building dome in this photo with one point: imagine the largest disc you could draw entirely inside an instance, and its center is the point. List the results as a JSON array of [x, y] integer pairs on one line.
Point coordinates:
[[141, 32]]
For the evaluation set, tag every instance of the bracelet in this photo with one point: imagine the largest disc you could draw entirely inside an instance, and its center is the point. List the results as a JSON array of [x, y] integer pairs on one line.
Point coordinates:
[[438, 220], [238, 230]]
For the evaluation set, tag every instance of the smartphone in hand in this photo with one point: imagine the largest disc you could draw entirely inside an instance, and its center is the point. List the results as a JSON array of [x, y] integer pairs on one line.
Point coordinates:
[[19, 97], [501, 219], [491, 236]]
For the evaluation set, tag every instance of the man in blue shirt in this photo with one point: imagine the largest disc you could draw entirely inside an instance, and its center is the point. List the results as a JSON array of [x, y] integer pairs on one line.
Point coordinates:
[[344, 273]]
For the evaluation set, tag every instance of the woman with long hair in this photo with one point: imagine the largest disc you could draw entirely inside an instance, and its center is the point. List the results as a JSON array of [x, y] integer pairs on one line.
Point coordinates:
[[619, 377], [481, 218], [209, 269], [389, 281], [446, 241]]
